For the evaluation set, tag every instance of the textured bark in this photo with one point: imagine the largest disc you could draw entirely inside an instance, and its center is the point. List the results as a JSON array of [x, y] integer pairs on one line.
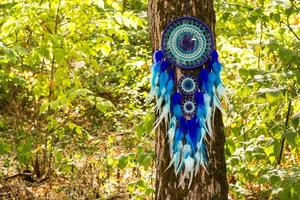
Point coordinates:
[[205, 186]]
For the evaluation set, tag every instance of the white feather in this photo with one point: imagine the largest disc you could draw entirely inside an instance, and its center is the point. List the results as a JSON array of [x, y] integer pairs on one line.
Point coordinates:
[[189, 164], [152, 94], [221, 92], [197, 164], [159, 102], [217, 103], [163, 115], [208, 121], [171, 134], [202, 123], [207, 101], [185, 151], [202, 162], [175, 159], [203, 134]]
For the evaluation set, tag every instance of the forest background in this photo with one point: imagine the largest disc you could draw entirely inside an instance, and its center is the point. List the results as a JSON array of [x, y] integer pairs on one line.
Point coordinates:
[[74, 76]]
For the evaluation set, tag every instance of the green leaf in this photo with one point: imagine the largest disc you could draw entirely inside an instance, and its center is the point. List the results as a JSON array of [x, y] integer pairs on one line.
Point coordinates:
[[59, 55], [285, 55], [290, 136], [102, 106], [263, 179], [244, 73], [131, 187], [72, 27], [4, 147], [123, 161], [147, 161], [295, 120], [105, 49], [274, 179]]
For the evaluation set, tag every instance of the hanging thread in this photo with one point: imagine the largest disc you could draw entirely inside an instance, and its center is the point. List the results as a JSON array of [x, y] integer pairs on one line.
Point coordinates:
[[186, 7]]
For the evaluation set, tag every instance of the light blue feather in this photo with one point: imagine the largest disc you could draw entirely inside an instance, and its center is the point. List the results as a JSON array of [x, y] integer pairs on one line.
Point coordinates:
[[154, 73], [211, 83], [176, 148], [163, 79], [177, 111], [166, 93], [217, 68]]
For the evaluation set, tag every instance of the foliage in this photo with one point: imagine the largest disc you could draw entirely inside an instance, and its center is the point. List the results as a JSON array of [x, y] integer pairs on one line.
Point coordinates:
[[73, 81], [259, 44]]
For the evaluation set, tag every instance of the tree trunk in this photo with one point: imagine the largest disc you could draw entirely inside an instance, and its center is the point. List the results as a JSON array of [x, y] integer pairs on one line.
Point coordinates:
[[205, 186]]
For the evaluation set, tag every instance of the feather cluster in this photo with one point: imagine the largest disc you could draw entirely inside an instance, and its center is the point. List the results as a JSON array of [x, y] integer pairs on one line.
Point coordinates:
[[187, 135]]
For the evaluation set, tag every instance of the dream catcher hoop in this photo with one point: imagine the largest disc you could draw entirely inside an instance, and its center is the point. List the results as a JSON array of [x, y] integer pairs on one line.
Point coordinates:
[[187, 42], [186, 104]]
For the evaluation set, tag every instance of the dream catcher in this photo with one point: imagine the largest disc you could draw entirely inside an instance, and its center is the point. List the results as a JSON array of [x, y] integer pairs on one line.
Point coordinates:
[[186, 100]]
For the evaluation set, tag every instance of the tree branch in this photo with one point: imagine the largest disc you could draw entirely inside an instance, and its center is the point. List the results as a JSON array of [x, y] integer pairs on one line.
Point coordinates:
[[290, 28], [283, 138]]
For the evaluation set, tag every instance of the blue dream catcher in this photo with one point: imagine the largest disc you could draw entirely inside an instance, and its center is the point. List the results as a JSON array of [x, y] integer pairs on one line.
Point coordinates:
[[186, 101]]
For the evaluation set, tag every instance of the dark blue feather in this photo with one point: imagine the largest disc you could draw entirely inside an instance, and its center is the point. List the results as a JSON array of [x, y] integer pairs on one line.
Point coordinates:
[[176, 100], [193, 135], [182, 123], [172, 74], [199, 98], [214, 56], [164, 65], [158, 56], [203, 79], [209, 65]]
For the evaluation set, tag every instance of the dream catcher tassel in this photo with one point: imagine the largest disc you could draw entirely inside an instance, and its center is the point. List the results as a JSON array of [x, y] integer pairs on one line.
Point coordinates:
[[200, 155], [186, 104], [176, 146], [164, 90], [211, 91], [217, 69], [155, 70]]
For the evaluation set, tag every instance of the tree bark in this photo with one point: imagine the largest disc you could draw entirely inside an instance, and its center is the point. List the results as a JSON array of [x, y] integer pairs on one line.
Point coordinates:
[[205, 186]]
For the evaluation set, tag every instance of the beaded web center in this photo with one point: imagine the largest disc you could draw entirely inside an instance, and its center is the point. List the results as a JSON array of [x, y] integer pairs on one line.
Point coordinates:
[[189, 107], [187, 85]]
